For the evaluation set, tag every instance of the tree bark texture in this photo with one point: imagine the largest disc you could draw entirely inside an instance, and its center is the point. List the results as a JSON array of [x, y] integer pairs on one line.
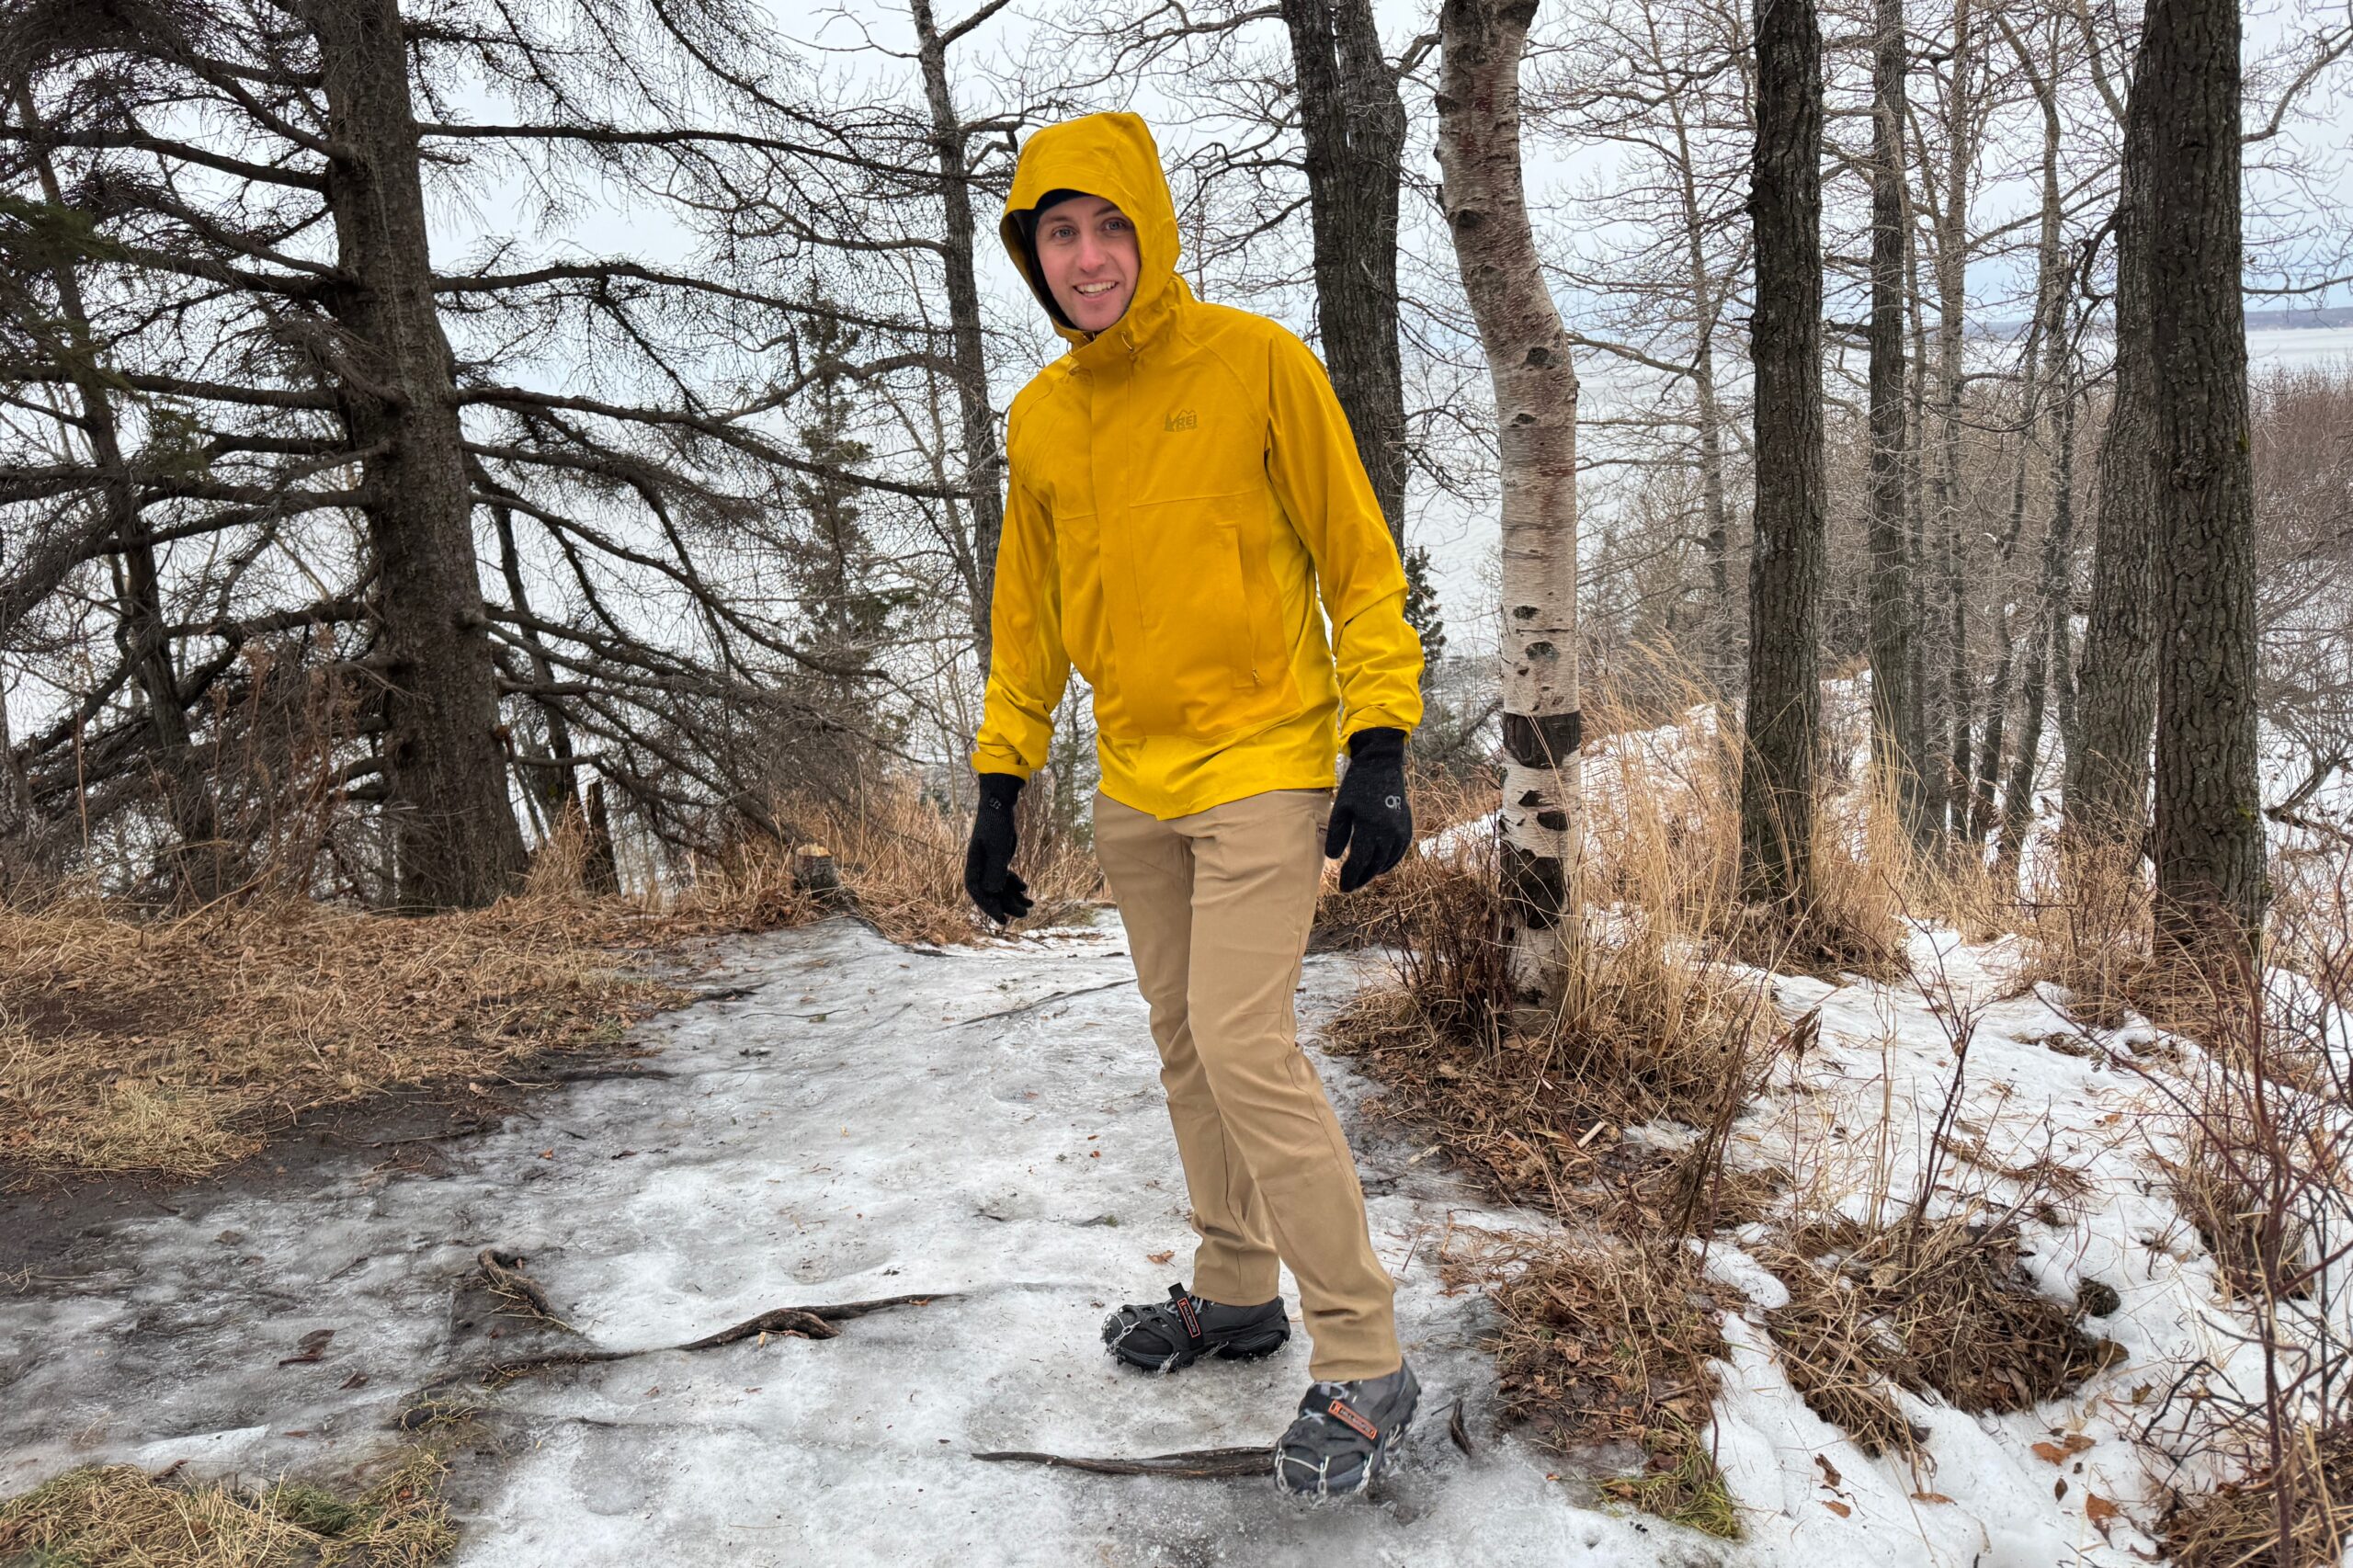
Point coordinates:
[[1952, 305], [2116, 691], [2054, 284], [983, 455], [2209, 839], [1784, 722], [1536, 420], [456, 839], [1892, 627], [1353, 123]]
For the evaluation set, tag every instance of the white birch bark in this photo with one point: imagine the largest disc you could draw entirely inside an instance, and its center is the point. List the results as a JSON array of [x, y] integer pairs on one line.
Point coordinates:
[[1536, 421]]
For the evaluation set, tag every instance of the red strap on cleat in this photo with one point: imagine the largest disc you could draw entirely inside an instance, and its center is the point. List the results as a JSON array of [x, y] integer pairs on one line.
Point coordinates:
[[1339, 1409]]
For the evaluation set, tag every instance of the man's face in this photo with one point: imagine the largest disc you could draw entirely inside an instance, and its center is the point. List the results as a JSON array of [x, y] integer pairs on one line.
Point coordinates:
[[1086, 248]]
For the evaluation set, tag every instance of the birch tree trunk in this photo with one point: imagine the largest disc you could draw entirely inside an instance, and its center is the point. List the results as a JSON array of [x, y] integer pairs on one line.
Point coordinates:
[[2209, 839], [456, 839], [1784, 714], [1536, 423]]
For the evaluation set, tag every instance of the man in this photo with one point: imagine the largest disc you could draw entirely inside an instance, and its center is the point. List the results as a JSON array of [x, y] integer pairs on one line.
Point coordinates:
[[1184, 490]]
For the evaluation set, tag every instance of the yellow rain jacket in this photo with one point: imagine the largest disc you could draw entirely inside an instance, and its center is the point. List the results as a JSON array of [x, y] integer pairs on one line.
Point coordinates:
[[1184, 490]]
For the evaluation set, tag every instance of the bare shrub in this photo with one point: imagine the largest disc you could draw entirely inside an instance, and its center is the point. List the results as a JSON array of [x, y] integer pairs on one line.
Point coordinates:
[[2237, 1524], [2263, 1141]]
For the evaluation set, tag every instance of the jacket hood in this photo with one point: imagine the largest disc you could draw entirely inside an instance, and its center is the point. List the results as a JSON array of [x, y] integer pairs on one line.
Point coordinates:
[[1113, 156]]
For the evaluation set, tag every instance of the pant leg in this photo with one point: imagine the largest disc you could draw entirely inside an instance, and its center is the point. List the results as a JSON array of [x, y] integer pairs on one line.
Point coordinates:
[[1149, 869], [1256, 866]]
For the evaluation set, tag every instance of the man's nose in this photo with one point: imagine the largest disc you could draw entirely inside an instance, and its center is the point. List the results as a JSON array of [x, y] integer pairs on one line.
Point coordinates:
[[1092, 254]]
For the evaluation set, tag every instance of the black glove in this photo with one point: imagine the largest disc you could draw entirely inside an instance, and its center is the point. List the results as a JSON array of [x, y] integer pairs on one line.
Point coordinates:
[[988, 860], [1370, 817]]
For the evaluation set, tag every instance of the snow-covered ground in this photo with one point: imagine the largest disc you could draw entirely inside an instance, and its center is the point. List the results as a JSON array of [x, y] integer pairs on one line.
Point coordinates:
[[870, 1120]]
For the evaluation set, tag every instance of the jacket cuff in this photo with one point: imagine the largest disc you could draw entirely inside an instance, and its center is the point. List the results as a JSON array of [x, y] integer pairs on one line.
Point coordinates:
[[1377, 745]]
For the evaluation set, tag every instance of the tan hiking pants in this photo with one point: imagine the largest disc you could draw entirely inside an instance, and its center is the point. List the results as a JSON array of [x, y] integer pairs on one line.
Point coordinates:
[[1217, 906]]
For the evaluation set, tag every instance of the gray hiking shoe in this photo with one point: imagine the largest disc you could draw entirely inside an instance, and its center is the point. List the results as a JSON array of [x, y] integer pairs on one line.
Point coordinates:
[[1345, 1434], [1162, 1336]]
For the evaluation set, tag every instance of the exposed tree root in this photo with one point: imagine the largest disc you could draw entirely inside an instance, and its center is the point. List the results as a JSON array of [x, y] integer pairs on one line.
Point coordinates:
[[437, 1400], [502, 1272], [1197, 1464]]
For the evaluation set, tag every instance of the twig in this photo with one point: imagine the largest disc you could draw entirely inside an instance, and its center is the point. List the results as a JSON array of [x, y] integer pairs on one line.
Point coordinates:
[[1199, 1464]]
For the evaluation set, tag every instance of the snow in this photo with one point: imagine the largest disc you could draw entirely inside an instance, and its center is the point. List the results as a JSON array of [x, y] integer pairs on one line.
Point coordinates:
[[872, 1120], [855, 1127]]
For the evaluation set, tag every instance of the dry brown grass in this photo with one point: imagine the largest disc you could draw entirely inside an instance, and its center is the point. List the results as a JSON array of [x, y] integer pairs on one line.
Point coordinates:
[[1941, 1305], [1610, 1344], [900, 856], [2237, 1525], [143, 1045], [2087, 926], [1662, 814], [1611, 1340], [119, 1516], [170, 1046]]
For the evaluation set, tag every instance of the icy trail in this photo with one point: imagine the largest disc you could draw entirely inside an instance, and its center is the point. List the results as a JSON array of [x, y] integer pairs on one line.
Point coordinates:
[[867, 1121]]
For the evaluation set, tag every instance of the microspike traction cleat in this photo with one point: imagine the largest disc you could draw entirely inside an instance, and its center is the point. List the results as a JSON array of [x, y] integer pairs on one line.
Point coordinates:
[[1346, 1434], [1162, 1336]]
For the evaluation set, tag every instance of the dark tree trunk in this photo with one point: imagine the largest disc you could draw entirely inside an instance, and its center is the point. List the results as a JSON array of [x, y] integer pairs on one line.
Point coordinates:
[[1784, 720], [194, 861], [556, 788], [2209, 838], [984, 459], [1952, 300], [1928, 631], [2058, 581], [2116, 691], [1893, 723], [456, 840], [1353, 122], [2047, 653]]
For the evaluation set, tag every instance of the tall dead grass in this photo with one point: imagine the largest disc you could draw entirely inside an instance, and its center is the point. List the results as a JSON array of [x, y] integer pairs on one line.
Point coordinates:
[[1660, 808], [898, 856]]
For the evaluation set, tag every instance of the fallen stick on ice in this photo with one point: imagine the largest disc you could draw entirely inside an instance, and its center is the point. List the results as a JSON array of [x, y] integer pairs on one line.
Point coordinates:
[[1199, 1464]]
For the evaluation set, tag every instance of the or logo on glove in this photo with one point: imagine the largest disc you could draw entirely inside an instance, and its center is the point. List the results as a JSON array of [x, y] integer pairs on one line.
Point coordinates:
[[1371, 821], [989, 878]]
